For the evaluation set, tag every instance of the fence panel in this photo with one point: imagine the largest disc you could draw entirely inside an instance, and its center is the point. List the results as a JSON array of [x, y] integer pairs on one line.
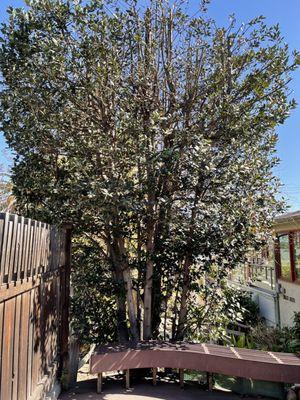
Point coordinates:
[[34, 264]]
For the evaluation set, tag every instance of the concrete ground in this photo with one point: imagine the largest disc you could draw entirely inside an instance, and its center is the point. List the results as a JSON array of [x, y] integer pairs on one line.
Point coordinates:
[[113, 389], [86, 390]]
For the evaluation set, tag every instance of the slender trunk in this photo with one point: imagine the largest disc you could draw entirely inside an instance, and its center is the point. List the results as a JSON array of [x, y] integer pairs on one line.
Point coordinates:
[[182, 318], [130, 304], [147, 325], [184, 297], [165, 318], [121, 304], [121, 265], [157, 300], [174, 313], [139, 279]]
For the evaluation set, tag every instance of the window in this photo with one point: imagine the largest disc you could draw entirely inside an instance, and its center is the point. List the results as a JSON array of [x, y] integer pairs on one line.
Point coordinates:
[[285, 259], [297, 254]]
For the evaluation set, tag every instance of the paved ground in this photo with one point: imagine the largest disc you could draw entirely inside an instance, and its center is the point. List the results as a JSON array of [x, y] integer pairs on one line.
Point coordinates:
[[86, 390], [114, 390]]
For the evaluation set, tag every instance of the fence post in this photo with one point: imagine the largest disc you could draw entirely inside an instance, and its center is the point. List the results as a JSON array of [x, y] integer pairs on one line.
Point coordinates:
[[64, 372]]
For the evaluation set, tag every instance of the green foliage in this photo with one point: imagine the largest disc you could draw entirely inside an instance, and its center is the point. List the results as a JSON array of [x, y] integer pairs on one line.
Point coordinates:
[[93, 303], [263, 337], [244, 309], [153, 133], [214, 311]]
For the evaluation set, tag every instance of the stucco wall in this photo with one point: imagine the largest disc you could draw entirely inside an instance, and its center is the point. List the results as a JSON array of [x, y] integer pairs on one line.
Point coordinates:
[[267, 308], [289, 301]]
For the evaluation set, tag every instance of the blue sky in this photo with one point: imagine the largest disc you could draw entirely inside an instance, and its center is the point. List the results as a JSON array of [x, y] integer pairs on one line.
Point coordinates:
[[286, 13]]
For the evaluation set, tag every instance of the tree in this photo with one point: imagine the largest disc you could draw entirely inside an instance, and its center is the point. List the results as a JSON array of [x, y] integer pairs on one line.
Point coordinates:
[[153, 132], [7, 201]]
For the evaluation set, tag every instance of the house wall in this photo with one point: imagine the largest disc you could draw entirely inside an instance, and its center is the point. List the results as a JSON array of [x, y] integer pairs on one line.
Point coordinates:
[[289, 292], [268, 308], [289, 301]]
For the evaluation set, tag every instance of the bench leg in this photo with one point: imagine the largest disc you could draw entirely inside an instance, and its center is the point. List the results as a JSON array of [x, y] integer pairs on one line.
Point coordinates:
[[99, 383], [127, 378], [181, 378], [210, 381], [154, 375]]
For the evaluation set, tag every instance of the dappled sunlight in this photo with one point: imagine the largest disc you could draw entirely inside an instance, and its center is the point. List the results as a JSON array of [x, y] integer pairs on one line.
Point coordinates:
[[113, 390]]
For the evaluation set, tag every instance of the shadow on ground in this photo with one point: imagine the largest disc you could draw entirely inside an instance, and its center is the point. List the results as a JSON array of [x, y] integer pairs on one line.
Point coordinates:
[[114, 390]]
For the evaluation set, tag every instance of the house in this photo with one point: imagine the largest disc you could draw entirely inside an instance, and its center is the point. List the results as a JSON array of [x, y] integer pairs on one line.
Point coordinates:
[[287, 265], [273, 277]]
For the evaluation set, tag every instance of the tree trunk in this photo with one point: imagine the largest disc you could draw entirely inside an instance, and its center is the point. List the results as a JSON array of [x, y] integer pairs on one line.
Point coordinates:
[[147, 326], [121, 265], [157, 300], [130, 304], [147, 323], [121, 304], [183, 303]]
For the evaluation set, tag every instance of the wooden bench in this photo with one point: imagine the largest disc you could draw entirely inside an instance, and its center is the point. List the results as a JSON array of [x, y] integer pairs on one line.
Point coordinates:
[[255, 364]]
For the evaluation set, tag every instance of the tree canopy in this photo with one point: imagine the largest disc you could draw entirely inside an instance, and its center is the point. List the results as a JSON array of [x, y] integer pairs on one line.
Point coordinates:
[[153, 132]]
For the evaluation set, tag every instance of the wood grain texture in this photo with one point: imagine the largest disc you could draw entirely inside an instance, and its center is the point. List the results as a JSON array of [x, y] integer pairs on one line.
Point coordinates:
[[34, 284]]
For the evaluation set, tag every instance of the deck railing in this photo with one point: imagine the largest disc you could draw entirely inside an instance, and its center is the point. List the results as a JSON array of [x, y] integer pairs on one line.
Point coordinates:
[[255, 274]]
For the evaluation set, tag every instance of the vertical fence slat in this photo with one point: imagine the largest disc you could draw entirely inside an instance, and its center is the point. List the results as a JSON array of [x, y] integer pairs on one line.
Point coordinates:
[[20, 267], [26, 248], [1, 338], [31, 247], [34, 250], [12, 257], [3, 247], [30, 344], [7, 350], [16, 366], [7, 251], [23, 356], [17, 251], [2, 220]]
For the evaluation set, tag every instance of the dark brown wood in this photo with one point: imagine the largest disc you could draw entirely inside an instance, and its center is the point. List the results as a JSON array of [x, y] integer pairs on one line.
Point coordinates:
[[210, 382], [64, 306], [1, 337], [23, 356], [16, 288], [254, 364], [127, 379], [99, 383], [5, 218], [7, 351], [20, 265], [292, 256], [13, 247], [32, 297], [1, 241], [277, 257], [16, 365], [181, 377], [7, 251], [154, 376]]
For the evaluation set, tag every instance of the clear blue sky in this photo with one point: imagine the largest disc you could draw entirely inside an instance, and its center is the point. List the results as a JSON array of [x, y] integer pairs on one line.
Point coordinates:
[[286, 13]]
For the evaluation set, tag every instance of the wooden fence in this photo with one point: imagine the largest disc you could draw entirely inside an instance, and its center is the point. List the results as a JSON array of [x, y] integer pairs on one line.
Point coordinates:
[[34, 303]]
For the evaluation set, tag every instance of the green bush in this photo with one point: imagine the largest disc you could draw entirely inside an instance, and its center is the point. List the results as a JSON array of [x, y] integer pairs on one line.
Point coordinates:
[[93, 303], [268, 338]]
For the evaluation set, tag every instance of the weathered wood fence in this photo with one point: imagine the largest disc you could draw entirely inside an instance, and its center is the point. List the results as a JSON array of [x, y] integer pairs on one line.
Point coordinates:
[[34, 303]]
